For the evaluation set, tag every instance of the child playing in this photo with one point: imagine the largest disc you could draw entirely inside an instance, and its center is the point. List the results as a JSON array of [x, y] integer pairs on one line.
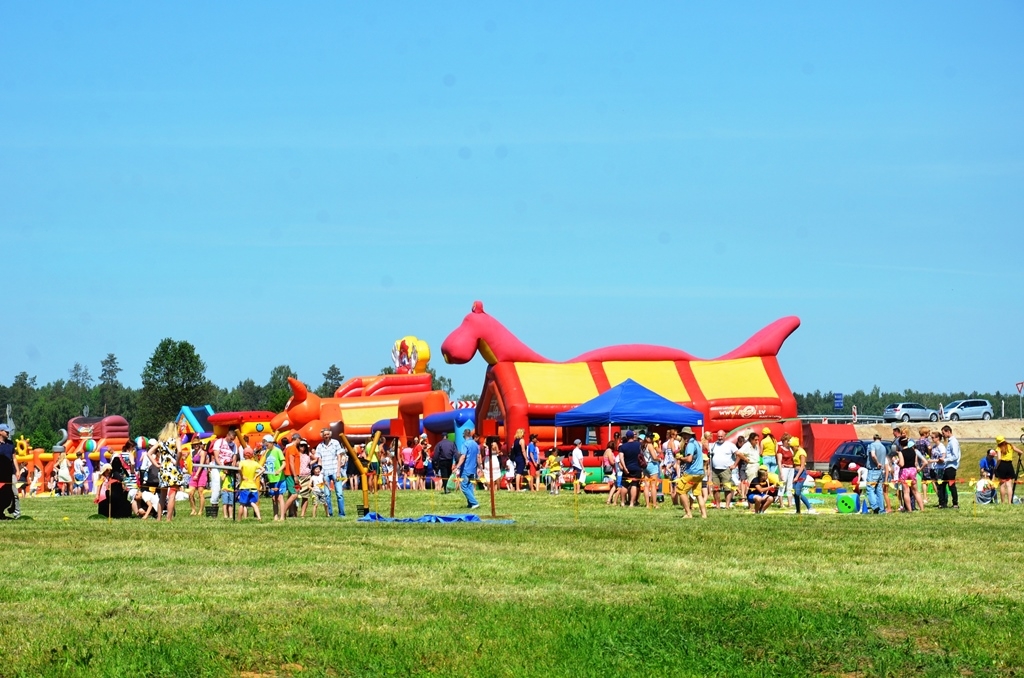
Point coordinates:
[[860, 485], [318, 487], [249, 487], [985, 490], [227, 494], [554, 468]]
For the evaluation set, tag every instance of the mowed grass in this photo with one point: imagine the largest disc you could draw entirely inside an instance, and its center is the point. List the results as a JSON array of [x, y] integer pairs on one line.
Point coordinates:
[[612, 592]]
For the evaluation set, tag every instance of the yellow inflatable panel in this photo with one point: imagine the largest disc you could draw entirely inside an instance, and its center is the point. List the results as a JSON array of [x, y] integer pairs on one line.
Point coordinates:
[[554, 384], [741, 378], [661, 376], [368, 416]]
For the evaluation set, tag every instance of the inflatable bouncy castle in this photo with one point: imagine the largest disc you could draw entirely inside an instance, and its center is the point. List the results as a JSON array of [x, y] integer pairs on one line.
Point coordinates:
[[523, 389], [402, 399]]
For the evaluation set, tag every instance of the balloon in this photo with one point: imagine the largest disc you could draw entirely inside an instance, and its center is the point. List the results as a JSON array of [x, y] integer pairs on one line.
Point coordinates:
[[141, 442], [90, 446]]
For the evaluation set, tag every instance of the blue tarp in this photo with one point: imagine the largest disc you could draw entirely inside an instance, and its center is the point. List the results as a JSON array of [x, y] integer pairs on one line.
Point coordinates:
[[629, 403], [373, 517]]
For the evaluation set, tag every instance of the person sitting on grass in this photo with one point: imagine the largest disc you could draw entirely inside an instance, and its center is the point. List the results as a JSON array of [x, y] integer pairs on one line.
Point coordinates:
[[989, 463], [151, 500], [249, 487], [985, 490], [761, 495]]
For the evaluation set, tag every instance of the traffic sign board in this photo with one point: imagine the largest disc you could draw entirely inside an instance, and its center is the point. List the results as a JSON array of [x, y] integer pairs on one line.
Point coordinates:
[[839, 401], [1020, 387]]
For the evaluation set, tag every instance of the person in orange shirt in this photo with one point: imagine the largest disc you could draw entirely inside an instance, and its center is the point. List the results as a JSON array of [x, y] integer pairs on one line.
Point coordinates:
[[292, 462]]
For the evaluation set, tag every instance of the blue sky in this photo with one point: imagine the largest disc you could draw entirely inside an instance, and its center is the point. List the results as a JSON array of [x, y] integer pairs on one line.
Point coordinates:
[[304, 183]]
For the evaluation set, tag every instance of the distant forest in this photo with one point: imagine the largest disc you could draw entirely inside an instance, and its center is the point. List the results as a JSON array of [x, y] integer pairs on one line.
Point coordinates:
[[175, 375], [874, 401]]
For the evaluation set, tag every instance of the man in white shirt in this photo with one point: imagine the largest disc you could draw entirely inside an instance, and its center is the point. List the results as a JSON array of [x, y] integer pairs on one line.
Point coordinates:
[[224, 451], [577, 465], [723, 461]]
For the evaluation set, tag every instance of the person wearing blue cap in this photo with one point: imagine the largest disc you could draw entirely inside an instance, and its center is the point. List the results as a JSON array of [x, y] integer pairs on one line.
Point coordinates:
[[8, 476]]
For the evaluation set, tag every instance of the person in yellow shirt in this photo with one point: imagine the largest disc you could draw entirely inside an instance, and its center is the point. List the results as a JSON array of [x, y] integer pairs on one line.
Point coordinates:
[[554, 467], [800, 475], [1005, 472], [768, 450], [249, 487]]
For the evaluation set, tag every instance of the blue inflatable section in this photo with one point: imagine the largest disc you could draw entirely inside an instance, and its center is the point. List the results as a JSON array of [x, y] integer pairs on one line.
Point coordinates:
[[459, 518], [447, 422]]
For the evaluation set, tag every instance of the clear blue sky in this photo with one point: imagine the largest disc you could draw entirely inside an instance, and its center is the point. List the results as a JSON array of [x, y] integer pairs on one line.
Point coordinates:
[[304, 183]]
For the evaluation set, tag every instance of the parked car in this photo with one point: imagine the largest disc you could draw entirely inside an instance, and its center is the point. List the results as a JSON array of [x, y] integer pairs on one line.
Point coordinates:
[[909, 412], [851, 452], [967, 409]]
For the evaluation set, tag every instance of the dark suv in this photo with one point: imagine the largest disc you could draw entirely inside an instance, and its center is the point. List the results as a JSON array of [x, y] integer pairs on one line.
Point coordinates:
[[854, 451]]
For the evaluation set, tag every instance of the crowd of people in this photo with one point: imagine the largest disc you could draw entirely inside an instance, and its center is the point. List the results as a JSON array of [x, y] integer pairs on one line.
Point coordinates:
[[754, 472]]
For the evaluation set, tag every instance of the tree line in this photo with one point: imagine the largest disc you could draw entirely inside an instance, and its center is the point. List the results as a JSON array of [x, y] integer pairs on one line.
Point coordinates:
[[874, 402], [175, 375]]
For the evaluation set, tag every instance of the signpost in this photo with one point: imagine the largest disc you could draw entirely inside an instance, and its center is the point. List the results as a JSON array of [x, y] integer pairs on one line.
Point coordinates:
[[854, 410], [1020, 391], [839, 401]]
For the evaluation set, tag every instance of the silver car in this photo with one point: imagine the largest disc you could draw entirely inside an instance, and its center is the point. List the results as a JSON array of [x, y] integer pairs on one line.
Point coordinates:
[[973, 408], [909, 412]]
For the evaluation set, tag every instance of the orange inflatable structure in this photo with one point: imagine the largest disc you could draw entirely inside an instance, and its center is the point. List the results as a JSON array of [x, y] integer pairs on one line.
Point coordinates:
[[361, 402], [251, 425], [523, 389]]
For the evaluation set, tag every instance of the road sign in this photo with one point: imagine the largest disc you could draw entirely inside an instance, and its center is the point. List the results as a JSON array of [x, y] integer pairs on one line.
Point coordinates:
[[839, 401], [1020, 387], [854, 409]]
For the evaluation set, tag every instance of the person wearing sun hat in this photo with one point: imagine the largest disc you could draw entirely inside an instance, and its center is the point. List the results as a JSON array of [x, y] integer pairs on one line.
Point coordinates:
[[690, 461], [1005, 473]]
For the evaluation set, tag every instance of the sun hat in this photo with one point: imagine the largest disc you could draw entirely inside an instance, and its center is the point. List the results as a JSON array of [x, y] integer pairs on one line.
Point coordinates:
[[762, 467], [686, 430], [655, 436], [794, 442], [766, 431], [5, 427], [1000, 439]]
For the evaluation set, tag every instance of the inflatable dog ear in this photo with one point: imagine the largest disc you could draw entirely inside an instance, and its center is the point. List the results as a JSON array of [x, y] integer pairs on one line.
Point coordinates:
[[337, 429]]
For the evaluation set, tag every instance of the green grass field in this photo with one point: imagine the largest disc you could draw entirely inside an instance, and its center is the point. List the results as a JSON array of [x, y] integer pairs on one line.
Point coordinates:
[[614, 592]]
